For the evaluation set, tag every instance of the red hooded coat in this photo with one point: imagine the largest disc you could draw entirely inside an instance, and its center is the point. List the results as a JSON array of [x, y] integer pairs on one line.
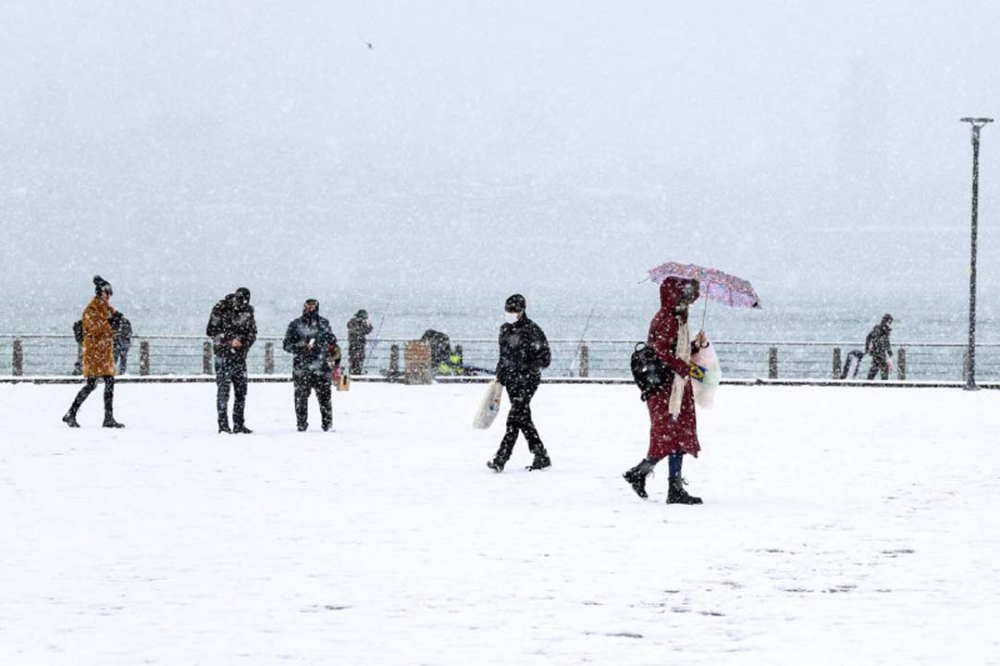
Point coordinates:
[[668, 435]]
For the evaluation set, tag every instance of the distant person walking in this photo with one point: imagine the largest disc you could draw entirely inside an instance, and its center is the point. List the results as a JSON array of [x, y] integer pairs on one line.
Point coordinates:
[[524, 353], [312, 343], [98, 354], [233, 330], [878, 346], [673, 425], [123, 341], [358, 330]]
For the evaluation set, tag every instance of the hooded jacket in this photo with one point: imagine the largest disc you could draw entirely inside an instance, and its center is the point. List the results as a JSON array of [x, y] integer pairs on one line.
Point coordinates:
[[232, 319], [524, 353], [877, 343], [315, 360]]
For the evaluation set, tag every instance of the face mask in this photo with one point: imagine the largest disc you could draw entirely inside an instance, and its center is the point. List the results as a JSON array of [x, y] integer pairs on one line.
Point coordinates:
[[511, 317]]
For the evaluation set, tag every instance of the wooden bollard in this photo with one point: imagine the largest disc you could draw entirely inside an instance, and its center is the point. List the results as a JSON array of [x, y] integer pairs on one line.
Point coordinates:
[[206, 358], [772, 363], [584, 360], [144, 358], [836, 363], [268, 358], [17, 360], [901, 364]]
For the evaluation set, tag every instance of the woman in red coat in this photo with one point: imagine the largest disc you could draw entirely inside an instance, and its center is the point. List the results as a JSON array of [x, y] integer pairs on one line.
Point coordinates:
[[673, 426]]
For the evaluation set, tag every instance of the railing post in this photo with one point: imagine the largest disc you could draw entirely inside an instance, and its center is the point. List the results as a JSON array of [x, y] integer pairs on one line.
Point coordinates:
[[772, 364], [144, 358], [17, 362], [901, 364], [394, 361], [837, 365], [268, 358], [965, 366], [584, 360], [206, 358]]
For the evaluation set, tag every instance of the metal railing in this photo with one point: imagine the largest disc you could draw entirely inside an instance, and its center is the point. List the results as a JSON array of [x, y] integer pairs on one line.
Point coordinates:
[[54, 355]]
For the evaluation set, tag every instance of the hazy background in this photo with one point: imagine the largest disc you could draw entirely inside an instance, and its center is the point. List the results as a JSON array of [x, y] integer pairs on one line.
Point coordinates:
[[182, 149]]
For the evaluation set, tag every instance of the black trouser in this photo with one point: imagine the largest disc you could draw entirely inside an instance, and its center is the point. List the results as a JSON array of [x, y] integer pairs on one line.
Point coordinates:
[[304, 385], [121, 361], [356, 355], [879, 364], [519, 420], [88, 388], [675, 462], [231, 370]]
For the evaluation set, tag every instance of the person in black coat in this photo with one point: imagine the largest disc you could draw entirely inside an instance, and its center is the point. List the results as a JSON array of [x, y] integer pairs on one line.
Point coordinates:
[[313, 344], [233, 330], [358, 329], [524, 353], [123, 341], [878, 346]]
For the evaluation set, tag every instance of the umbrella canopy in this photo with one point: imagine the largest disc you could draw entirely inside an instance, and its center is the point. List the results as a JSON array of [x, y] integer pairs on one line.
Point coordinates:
[[715, 285]]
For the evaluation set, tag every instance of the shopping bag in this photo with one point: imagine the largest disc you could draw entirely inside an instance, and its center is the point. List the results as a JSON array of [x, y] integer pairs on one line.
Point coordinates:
[[489, 406], [711, 376], [341, 380]]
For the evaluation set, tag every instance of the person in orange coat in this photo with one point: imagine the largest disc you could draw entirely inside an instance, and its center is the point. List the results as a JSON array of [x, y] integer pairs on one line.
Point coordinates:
[[673, 426], [98, 354]]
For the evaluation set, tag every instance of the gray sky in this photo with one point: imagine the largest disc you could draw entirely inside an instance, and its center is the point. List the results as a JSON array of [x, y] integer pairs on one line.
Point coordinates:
[[480, 148]]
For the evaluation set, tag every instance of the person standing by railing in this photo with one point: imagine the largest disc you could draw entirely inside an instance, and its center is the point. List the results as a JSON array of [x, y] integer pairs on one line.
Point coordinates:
[[358, 330], [524, 353], [233, 331], [98, 354], [673, 425], [878, 346]]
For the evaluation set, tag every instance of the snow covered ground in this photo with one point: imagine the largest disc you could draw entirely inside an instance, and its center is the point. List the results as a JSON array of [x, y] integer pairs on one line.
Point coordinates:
[[840, 526]]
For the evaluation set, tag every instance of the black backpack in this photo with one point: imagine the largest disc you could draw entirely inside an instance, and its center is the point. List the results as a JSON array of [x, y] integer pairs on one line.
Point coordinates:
[[649, 372]]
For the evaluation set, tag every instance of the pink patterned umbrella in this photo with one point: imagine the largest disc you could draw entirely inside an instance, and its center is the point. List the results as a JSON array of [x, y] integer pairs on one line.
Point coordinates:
[[715, 285]]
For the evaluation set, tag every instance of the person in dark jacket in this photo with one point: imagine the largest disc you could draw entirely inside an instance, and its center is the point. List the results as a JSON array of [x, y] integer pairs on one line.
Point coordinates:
[[233, 330], [313, 344], [877, 345], [358, 329], [97, 356], [524, 353], [673, 426], [123, 341]]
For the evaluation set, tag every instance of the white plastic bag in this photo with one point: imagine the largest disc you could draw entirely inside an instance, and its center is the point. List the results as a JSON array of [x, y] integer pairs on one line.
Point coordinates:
[[489, 406], [705, 388]]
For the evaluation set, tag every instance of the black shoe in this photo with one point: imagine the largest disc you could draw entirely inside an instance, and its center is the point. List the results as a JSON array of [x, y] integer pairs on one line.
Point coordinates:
[[242, 430], [495, 466], [677, 494], [328, 427], [302, 428], [637, 480], [539, 463], [224, 428], [109, 422], [70, 420]]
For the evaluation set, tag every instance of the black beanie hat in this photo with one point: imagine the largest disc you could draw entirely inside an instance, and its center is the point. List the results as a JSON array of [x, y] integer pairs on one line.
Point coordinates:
[[243, 294], [515, 303], [102, 286]]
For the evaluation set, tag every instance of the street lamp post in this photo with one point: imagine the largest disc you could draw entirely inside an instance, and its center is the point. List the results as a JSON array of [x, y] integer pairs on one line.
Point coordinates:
[[970, 374]]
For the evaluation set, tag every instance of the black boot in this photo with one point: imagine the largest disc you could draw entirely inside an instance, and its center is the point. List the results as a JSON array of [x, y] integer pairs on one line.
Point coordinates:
[[242, 430], [677, 494], [70, 420], [540, 462], [224, 428], [637, 479], [109, 422], [495, 466]]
